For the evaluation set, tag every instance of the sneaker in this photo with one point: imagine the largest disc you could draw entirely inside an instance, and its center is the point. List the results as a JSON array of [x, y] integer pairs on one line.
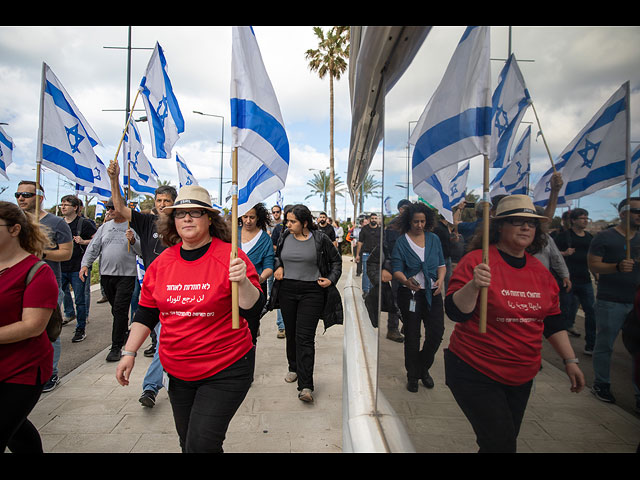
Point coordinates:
[[150, 352], [66, 320], [103, 300], [148, 398], [573, 332], [78, 336], [602, 392], [291, 377], [588, 350], [306, 395], [114, 354], [51, 383], [395, 335], [281, 333]]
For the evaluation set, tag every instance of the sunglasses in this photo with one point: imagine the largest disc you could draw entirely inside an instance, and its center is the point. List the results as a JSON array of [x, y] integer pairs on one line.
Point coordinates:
[[24, 194], [192, 213], [518, 222], [635, 210]]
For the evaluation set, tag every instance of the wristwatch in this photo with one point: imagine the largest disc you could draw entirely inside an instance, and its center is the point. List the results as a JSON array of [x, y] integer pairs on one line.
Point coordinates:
[[565, 360], [125, 353]]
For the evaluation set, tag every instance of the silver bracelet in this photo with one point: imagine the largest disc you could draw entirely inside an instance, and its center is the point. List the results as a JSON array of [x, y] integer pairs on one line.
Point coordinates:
[[570, 360], [125, 353]]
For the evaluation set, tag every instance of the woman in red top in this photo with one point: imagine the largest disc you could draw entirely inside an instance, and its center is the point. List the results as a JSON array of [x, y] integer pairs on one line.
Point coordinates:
[[26, 354], [188, 289], [490, 374]]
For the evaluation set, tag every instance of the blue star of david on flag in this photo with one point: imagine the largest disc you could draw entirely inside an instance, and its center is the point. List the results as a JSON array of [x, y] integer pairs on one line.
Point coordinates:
[[165, 121], [77, 138], [589, 152]]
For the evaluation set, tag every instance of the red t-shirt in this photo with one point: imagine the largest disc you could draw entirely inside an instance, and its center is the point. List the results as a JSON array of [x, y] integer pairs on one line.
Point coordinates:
[[28, 361], [518, 302], [194, 299]]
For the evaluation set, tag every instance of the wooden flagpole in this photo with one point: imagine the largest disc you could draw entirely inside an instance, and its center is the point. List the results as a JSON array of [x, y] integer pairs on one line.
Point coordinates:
[[484, 291], [628, 171], [235, 311]]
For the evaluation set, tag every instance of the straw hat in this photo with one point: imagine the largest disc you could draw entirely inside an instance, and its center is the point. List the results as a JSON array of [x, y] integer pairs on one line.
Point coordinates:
[[192, 196], [518, 206]]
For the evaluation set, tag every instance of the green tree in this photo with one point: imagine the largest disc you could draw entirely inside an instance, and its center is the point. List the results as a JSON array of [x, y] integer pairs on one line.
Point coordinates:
[[320, 185], [370, 188], [330, 58]]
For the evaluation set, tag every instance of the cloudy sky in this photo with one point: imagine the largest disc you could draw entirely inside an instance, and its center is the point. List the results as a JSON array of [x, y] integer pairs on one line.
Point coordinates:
[[573, 71]]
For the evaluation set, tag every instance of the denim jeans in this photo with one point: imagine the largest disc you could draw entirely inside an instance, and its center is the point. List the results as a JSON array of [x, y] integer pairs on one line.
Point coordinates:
[[609, 319], [366, 283], [202, 409], [279, 321], [79, 296], [153, 378], [583, 295]]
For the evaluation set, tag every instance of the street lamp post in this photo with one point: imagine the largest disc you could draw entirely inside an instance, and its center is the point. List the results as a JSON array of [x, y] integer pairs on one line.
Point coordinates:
[[221, 150]]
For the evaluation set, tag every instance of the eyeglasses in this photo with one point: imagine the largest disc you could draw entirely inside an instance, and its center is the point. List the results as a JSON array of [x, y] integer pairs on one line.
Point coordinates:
[[275, 211], [24, 194], [635, 210], [520, 221], [192, 213]]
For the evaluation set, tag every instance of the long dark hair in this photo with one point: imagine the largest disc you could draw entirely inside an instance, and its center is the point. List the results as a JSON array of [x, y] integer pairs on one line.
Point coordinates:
[[33, 236], [263, 217], [403, 222], [166, 226], [538, 243], [303, 215]]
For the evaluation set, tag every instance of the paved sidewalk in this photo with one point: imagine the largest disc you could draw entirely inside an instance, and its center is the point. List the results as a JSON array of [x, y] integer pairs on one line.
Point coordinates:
[[90, 412]]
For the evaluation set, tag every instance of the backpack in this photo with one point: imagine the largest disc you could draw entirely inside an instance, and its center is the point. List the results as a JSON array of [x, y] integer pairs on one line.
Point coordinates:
[[54, 327]]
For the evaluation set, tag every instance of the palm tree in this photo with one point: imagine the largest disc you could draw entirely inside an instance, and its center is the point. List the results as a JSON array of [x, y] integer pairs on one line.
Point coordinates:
[[330, 58], [370, 187], [320, 184]]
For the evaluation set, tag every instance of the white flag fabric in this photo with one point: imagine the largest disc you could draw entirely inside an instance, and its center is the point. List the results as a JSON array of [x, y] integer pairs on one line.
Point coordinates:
[[144, 179], [163, 113], [456, 123], [510, 102], [595, 158], [445, 189], [101, 187], [257, 127], [185, 177], [67, 139], [512, 178], [6, 152]]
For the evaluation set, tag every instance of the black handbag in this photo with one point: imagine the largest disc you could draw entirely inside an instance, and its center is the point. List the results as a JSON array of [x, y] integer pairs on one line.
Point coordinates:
[[54, 327]]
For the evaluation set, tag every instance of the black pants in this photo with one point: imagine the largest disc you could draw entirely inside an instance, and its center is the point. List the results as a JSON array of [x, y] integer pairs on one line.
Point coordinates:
[[202, 409], [118, 291], [418, 361], [254, 320], [301, 305], [495, 410], [16, 431]]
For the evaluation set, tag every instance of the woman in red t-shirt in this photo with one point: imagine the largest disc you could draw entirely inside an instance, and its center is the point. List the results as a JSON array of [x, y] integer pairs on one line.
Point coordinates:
[[490, 374], [209, 364], [26, 354]]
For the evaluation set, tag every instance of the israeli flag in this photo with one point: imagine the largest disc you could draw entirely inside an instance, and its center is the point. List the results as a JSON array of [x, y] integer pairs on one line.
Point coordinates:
[[144, 179], [456, 123], [445, 189], [163, 113], [512, 179], [185, 177], [257, 127], [101, 187], [635, 168], [6, 152], [595, 158], [67, 139], [99, 209], [280, 200], [510, 102]]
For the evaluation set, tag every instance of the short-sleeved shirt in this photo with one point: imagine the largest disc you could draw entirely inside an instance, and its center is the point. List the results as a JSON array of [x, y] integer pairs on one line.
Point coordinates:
[[28, 361], [518, 302], [87, 230], [577, 261], [370, 238], [151, 243], [59, 232], [329, 231], [611, 245], [194, 299]]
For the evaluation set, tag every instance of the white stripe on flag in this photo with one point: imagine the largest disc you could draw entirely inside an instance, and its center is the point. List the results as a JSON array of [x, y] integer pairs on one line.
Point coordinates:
[[6, 152]]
